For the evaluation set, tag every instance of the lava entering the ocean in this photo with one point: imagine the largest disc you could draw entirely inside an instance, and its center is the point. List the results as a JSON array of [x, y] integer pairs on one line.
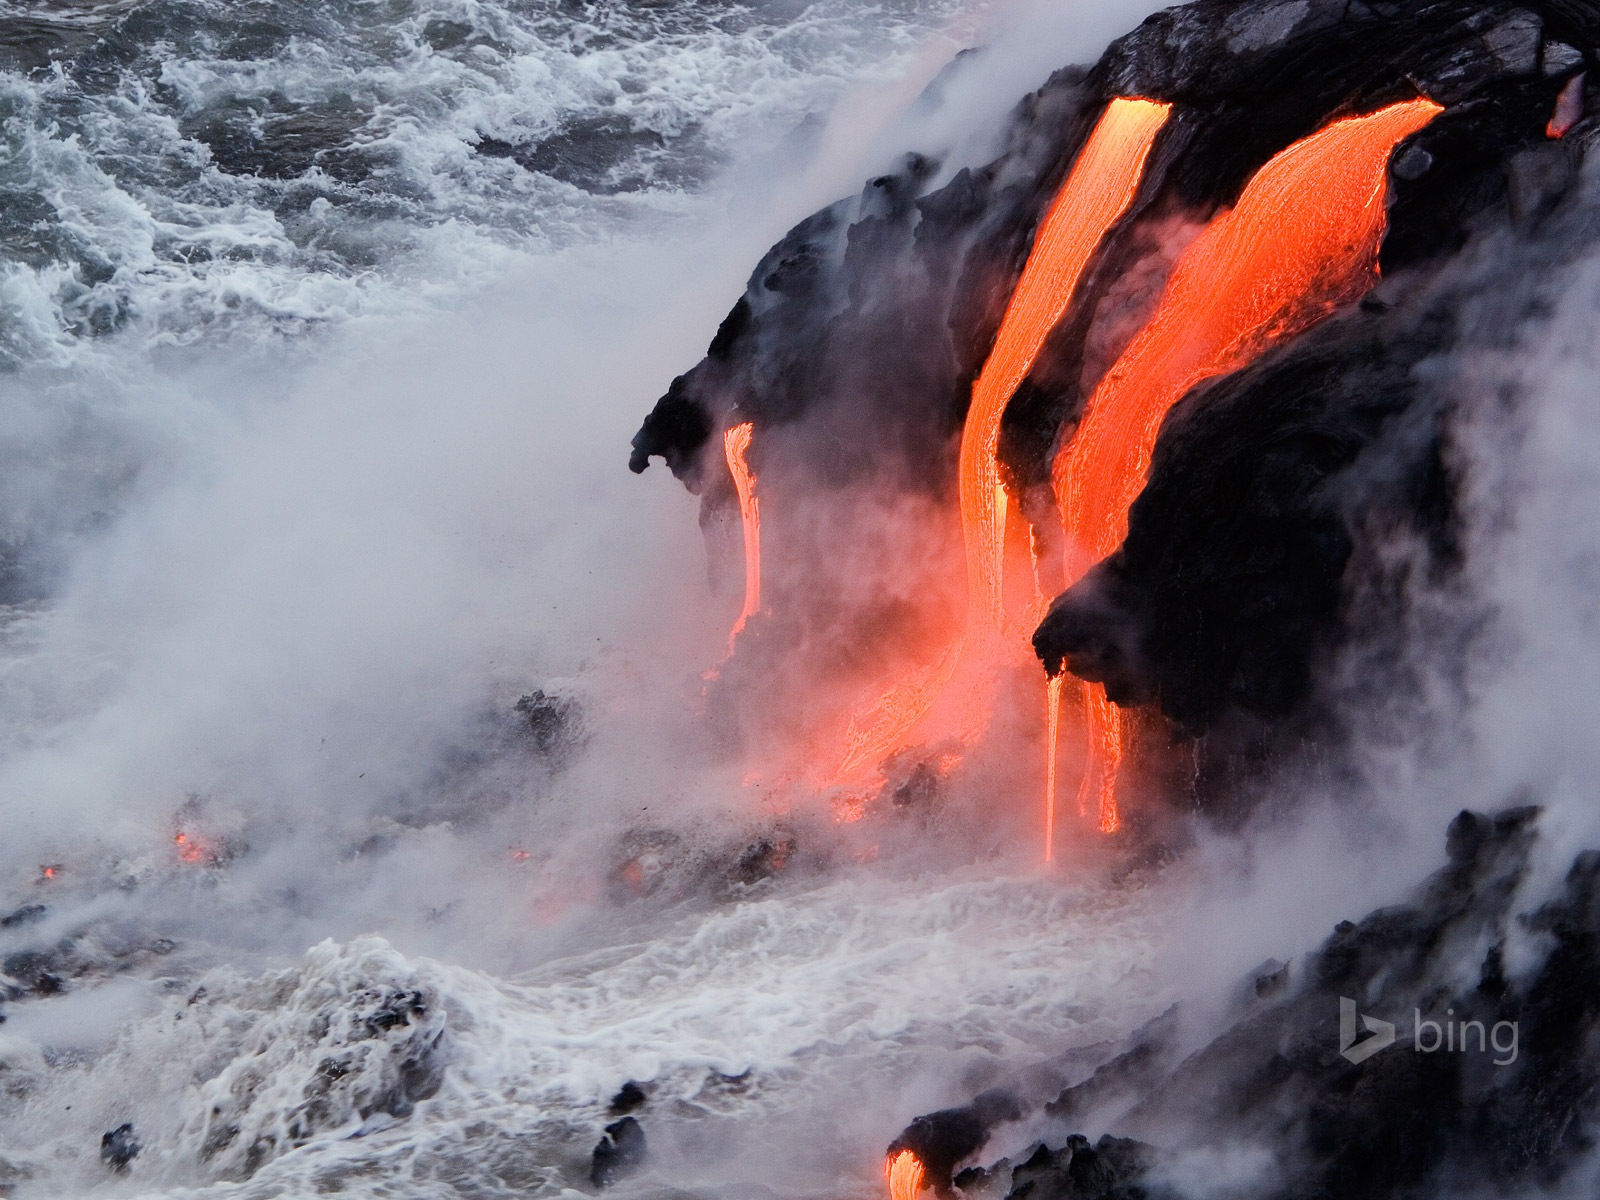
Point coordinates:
[[1095, 194], [904, 1173], [1302, 240], [735, 446]]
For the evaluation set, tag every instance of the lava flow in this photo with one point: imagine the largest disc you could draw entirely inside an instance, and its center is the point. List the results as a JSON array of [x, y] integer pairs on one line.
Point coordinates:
[[1097, 191], [1302, 240], [735, 445], [904, 1173]]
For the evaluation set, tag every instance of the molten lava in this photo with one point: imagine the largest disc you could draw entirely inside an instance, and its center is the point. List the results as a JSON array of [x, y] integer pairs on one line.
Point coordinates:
[[1097, 191], [735, 445], [1052, 738], [1302, 240], [903, 1171], [1568, 110]]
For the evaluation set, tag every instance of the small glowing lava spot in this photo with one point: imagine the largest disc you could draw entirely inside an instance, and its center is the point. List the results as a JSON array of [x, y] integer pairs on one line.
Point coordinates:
[[848, 808], [641, 873], [189, 850], [1568, 110], [46, 874], [903, 1172], [521, 856]]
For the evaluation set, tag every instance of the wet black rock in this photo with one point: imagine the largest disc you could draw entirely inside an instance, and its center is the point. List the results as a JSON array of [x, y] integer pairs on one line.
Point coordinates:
[[1269, 979], [119, 1147], [1408, 1059], [669, 863], [418, 1068], [25, 915], [1110, 1169], [38, 972], [619, 1153], [763, 859], [553, 723], [630, 1097]]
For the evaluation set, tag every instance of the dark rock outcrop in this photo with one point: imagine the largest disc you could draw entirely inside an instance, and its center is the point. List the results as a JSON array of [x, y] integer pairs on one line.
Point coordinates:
[[119, 1147], [630, 1097], [1469, 1075], [942, 1139], [619, 1153]]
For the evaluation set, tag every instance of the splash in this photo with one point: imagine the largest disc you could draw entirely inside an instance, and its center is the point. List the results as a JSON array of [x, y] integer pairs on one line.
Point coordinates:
[[1096, 193], [903, 1171], [735, 445], [1302, 240]]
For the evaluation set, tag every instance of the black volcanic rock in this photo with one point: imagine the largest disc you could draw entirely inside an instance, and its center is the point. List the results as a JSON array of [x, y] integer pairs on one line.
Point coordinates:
[[1490, 1083], [1258, 547], [25, 915], [1231, 578], [619, 1153], [1110, 1169], [942, 1139], [119, 1147], [881, 309], [630, 1097]]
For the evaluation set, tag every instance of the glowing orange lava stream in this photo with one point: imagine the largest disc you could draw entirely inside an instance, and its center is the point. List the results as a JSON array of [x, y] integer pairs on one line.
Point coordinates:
[[1302, 240], [903, 1172], [1097, 191], [735, 444]]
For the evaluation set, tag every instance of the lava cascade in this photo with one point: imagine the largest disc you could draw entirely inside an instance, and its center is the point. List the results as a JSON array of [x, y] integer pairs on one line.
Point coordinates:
[[1095, 194], [1302, 240], [904, 1173], [735, 447]]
